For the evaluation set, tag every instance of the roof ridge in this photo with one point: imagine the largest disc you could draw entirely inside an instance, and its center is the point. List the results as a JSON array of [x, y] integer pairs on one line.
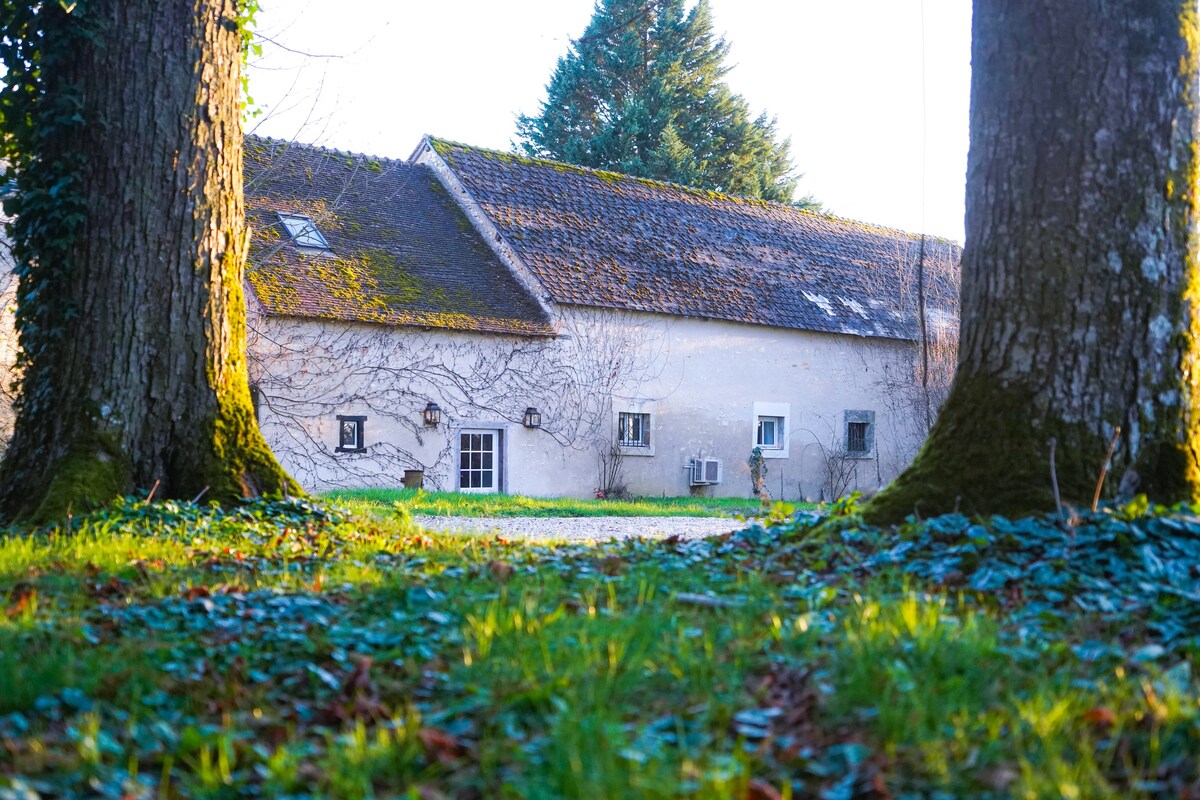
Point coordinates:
[[322, 148], [710, 194]]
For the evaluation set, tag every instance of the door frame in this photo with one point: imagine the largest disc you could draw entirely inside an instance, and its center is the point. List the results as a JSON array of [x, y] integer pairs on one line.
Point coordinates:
[[498, 459]]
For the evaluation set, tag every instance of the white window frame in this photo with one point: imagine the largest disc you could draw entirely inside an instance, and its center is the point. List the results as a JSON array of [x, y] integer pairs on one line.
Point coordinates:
[[773, 426], [304, 232], [634, 405], [497, 461], [781, 414]]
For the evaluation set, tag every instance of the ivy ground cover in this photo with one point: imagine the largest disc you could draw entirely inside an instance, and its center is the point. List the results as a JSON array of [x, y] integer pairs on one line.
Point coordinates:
[[289, 650]]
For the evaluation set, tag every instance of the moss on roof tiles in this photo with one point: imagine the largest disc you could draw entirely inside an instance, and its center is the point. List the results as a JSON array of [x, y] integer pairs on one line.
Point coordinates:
[[401, 252], [680, 250]]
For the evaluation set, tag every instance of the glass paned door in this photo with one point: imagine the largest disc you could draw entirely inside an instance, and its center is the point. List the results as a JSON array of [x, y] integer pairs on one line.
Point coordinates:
[[478, 452]]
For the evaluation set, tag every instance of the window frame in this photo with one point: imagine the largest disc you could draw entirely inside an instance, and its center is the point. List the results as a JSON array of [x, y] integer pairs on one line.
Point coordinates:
[[496, 469], [859, 417], [305, 235], [623, 407], [781, 415], [359, 423], [643, 420], [777, 432], [856, 434]]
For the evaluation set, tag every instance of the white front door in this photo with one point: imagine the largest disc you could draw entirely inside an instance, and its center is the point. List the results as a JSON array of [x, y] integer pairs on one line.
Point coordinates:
[[479, 461]]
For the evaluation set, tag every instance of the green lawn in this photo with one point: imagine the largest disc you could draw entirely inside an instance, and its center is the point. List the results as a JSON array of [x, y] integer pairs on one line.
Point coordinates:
[[281, 650], [454, 504]]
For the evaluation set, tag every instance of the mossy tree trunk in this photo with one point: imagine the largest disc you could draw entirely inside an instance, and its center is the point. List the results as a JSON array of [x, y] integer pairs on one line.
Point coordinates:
[[1079, 273], [133, 327]]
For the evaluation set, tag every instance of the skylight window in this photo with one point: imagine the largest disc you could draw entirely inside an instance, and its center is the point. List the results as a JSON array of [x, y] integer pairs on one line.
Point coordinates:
[[303, 231]]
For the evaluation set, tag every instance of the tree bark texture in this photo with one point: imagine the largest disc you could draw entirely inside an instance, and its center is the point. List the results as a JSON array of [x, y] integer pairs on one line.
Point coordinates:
[[149, 383], [1079, 273]]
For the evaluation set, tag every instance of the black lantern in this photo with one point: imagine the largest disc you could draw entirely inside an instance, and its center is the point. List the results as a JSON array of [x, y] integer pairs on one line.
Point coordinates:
[[433, 414], [533, 418]]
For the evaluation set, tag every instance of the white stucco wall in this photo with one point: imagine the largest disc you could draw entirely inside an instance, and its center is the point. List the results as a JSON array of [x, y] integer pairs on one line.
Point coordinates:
[[703, 382], [722, 376]]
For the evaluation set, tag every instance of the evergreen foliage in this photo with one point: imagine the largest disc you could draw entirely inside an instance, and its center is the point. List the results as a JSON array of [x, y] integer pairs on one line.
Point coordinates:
[[642, 92]]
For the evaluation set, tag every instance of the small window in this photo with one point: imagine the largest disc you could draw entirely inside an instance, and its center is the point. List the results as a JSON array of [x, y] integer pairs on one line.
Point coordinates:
[[633, 430], [770, 433], [856, 437], [860, 434], [350, 434], [303, 231]]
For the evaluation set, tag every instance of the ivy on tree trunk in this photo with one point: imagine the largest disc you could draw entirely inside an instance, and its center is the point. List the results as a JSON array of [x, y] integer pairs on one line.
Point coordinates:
[[123, 125], [1079, 274]]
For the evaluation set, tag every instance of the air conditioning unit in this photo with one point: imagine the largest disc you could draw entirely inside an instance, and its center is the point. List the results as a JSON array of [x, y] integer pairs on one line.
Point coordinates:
[[706, 471]]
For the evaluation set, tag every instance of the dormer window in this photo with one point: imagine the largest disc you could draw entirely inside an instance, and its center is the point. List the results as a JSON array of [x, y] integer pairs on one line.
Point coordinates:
[[304, 231]]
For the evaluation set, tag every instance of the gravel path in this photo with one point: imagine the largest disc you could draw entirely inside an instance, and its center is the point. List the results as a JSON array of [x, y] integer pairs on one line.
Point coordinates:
[[582, 529]]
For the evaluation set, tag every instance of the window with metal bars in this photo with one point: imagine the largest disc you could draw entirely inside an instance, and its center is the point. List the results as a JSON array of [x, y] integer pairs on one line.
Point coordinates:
[[856, 437], [860, 433], [633, 430]]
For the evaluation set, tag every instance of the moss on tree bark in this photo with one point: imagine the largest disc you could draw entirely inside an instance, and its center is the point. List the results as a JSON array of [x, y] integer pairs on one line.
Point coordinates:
[[1080, 268], [132, 322]]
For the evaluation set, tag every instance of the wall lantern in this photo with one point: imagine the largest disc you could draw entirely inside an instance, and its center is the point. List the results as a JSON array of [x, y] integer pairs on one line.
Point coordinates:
[[433, 414], [533, 418]]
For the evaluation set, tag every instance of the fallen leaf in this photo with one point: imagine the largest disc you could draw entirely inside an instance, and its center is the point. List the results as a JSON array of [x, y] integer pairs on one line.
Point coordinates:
[[196, 592], [145, 567], [441, 745], [612, 565], [1100, 717], [761, 790], [113, 587], [878, 790], [23, 595], [359, 680]]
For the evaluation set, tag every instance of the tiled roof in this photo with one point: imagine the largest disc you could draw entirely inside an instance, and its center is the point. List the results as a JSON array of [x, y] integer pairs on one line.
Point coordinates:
[[402, 253], [596, 238]]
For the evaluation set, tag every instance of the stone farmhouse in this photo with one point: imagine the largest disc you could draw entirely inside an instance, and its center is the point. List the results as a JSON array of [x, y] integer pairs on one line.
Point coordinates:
[[469, 319]]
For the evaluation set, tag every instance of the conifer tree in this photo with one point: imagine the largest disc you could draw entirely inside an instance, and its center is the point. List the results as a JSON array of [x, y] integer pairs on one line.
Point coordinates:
[[643, 92]]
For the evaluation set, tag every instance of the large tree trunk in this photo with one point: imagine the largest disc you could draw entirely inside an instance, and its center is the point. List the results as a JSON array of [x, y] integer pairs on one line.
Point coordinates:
[[1079, 272], [134, 330]]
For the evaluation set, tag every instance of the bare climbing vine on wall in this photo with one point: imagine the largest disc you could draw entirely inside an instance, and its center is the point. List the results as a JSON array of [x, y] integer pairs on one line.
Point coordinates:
[[307, 372]]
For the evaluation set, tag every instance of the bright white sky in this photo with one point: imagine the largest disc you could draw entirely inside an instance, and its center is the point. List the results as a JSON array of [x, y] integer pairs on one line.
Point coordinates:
[[844, 79]]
